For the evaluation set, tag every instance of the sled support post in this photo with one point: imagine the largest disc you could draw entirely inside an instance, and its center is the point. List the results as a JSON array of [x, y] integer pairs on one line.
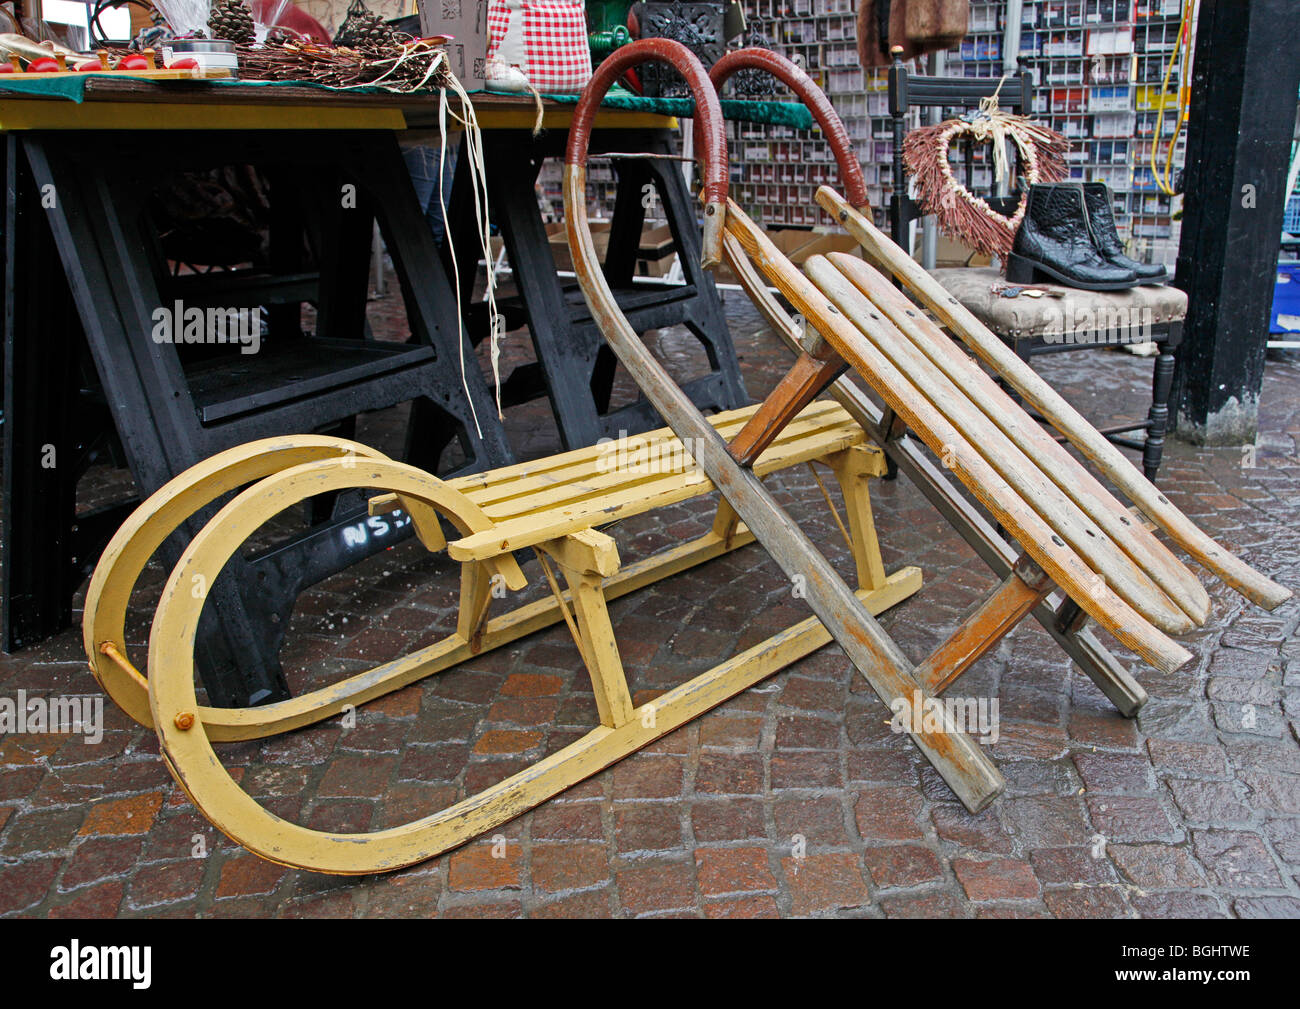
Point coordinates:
[[725, 523], [852, 468], [817, 366], [991, 621], [587, 558]]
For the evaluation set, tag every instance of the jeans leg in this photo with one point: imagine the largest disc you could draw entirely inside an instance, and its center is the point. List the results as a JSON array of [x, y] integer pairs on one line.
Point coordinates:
[[433, 209], [422, 165]]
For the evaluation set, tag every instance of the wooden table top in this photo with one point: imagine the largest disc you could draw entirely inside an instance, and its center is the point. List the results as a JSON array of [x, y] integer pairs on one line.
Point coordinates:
[[123, 103]]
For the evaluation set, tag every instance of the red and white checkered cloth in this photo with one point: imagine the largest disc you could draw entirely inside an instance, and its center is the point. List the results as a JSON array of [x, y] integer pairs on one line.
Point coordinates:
[[557, 56]]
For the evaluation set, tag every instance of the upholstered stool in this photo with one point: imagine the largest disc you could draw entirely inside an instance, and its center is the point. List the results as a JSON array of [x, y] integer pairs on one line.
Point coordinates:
[[1082, 320]]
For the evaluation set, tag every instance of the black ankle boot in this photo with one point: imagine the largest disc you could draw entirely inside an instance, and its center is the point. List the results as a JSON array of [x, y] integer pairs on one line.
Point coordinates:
[[1097, 199], [1055, 243]]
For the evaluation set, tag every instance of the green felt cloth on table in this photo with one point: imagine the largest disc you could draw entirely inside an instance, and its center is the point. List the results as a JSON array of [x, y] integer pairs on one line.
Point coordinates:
[[793, 114], [790, 114], [74, 88], [71, 88]]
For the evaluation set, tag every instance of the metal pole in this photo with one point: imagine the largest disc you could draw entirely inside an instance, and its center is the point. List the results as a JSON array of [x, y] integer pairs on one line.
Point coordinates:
[[1011, 36], [377, 262], [935, 66]]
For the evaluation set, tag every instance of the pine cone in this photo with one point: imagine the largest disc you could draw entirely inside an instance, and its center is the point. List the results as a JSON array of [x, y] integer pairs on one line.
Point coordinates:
[[232, 21], [364, 29]]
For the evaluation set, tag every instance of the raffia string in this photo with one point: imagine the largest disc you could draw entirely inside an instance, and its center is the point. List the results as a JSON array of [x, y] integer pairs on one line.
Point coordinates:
[[541, 110], [403, 68], [960, 213], [468, 120]]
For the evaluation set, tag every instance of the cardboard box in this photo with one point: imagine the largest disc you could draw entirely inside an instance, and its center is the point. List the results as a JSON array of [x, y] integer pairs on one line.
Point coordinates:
[[797, 244], [951, 253], [466, 22], [656, 243], [654, 257], [789, 239], [824, 244], [656, 253], [660, 267], [559, 242]]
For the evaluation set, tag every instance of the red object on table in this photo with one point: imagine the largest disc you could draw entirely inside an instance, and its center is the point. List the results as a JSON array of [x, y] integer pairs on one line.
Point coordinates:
[[293, 18]]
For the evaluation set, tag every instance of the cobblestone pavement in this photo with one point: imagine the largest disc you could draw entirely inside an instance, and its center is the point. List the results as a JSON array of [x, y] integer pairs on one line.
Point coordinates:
[[1192, 809]]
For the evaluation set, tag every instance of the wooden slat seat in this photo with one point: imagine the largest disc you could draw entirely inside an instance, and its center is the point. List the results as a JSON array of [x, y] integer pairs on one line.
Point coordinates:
[[1122, 562], [1110, 571], [532, 502], [1039, 453]]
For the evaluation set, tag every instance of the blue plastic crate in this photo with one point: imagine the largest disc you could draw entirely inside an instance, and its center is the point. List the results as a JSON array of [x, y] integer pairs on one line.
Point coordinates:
[[1286, 297], [1291, 219]]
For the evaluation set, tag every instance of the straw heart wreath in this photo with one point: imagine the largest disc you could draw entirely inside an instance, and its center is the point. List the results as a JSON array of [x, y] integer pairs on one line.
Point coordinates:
[[960, 213]]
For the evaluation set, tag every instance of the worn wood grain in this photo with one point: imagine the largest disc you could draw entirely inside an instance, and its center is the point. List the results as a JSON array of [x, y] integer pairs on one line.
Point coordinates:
[[1236, 573], [1066, 568], [1046, 453]]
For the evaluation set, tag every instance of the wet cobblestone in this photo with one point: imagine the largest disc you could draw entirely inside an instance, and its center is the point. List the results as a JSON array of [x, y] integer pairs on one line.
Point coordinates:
[[792, 799]]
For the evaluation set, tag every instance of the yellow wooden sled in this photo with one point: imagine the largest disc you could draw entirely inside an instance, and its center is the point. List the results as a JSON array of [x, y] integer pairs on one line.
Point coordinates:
[[553, 505]]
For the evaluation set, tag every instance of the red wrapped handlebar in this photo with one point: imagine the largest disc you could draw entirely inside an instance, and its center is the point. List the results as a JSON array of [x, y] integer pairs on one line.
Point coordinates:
[[710, 130], [813, 97]]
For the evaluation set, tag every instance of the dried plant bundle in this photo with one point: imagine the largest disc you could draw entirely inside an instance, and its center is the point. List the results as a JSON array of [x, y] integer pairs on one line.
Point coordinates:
[[959, 212], [404, 67]]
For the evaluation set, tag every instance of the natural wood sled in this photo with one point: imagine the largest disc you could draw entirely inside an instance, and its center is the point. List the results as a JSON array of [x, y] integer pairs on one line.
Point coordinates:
[[1082, 554], [552, 505]]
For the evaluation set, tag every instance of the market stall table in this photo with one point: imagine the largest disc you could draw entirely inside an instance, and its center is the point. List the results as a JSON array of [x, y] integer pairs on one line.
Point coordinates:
[[89, 166]]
